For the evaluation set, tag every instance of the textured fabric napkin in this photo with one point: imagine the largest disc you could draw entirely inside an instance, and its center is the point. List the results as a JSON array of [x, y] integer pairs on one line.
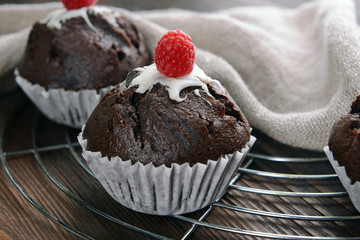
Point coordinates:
[[293, 72]]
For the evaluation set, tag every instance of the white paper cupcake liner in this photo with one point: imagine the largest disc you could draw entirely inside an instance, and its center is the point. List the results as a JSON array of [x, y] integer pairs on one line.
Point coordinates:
[[352, 189], [164, 190], [71, 108]]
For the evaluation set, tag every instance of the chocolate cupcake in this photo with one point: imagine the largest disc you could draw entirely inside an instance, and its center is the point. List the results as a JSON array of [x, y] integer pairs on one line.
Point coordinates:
[[166, 145], [344, 151], [74, 57]]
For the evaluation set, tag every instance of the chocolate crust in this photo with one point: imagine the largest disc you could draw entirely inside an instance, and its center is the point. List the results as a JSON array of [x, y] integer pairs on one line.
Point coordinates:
[[344, 141], [151, 127], [76, 57]]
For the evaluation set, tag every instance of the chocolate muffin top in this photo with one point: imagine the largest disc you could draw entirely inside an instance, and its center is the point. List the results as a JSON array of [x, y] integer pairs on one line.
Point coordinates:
[[90, 48], [151, 122], [344, 141]]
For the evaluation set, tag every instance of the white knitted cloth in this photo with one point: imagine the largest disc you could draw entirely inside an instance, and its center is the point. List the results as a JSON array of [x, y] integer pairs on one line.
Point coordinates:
[[293, 72]]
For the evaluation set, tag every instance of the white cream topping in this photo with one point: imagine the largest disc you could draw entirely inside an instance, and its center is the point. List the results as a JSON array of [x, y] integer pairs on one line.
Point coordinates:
[[57, 18], [149, 76]]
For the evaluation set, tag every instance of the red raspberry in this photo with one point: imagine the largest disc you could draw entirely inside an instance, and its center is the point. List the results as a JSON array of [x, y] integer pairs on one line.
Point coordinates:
[[175, 54], [76, 4]]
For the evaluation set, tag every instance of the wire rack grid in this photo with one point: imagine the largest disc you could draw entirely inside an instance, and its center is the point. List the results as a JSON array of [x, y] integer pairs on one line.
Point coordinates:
[[228, 202]]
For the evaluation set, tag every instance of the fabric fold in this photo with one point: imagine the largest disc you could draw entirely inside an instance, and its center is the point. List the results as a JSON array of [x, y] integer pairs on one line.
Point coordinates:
[[293, 72]]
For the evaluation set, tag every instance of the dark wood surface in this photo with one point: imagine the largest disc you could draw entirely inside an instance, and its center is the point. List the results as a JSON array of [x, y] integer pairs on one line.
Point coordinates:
[[26, 131]]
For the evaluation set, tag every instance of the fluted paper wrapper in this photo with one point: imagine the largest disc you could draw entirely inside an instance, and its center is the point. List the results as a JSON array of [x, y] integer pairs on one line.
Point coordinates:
[[164, 190], [352, 189], [71, 108]]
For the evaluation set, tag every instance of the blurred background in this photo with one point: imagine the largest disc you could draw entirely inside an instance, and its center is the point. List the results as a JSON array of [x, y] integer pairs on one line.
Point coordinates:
[[21, 212], [198, 5], [195, 5]]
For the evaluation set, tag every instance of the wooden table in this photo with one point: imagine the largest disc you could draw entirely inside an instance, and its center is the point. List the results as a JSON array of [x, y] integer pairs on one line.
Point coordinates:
[[56, 195]]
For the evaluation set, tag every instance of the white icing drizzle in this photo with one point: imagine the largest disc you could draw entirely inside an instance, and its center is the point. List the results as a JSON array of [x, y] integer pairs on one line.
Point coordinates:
[[57, 18], [197, 93], [150, 75]]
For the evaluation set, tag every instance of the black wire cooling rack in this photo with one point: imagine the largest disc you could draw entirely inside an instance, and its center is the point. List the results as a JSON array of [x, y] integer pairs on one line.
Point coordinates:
[[255, 178]]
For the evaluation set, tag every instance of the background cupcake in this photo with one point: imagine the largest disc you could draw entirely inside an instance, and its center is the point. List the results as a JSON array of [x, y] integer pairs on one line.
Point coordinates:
[[169, 139], [75, 56], [344, 151]]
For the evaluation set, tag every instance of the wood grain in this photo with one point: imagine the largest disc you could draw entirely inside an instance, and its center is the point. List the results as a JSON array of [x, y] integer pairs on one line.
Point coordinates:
[[19, 219]]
